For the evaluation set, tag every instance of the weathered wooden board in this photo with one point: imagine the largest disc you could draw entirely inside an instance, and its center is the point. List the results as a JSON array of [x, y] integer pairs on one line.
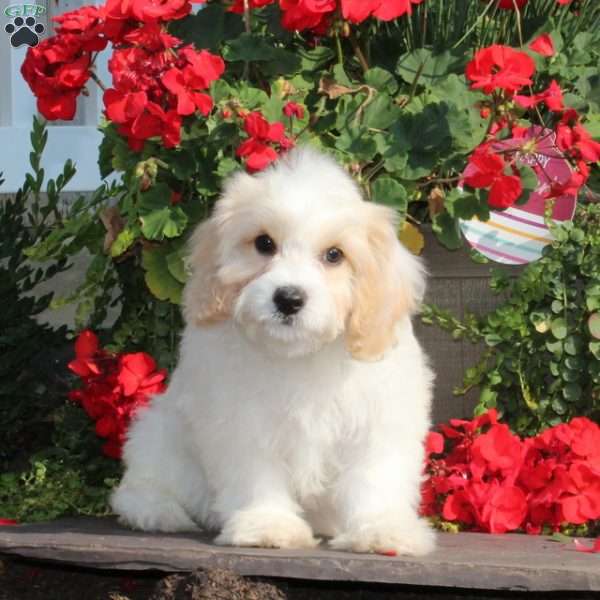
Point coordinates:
[[468, 560], [458, 284]]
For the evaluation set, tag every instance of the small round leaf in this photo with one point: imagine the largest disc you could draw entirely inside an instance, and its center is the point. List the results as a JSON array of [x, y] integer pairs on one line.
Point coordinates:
[[594, 325], [559, 328]]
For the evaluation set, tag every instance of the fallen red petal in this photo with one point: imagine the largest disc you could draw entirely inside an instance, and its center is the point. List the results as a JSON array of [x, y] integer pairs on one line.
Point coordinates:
[[387, 552], [580, 547]]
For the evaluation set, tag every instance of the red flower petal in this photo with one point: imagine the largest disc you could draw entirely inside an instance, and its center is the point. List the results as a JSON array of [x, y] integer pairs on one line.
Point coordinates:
[[8, 522], [594, 549], [434, 443], [505, 191], [543, 45], [86, 344]]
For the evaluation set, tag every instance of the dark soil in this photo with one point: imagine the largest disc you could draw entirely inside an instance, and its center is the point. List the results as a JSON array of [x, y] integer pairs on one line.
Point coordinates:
[[213, 585], [20, 580]]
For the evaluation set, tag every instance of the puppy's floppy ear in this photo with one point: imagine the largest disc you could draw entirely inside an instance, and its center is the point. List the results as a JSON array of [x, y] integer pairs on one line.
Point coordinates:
[[389, 284], [207, 298]]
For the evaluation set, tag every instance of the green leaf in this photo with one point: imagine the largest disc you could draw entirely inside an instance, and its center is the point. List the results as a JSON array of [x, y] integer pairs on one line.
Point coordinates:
[[381, 80], [105, 156], [464, 205], [167, 222], [381, 112], [208, 28], [176, 264], [561, 537], [559, 328], [429, 68], [311, 60], [123, 241], [249, 97], [558, 406], [467, 128], [571, 392], [226, 167], [183, 164], [573, 345], [594, 325], [595, 349], [158, 278], [356, 142], [529, 183], [254, 48], [447, 230], [388, 191]]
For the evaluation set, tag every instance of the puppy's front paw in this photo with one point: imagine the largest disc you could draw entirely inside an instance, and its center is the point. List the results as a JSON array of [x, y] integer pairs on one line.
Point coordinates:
[[268, 529], [383, 535], [146, 509]]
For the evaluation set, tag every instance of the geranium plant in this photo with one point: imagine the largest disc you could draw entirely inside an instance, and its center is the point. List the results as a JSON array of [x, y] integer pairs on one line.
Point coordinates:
[[437, 107], [483, 477], [114, 387], [405, 93]]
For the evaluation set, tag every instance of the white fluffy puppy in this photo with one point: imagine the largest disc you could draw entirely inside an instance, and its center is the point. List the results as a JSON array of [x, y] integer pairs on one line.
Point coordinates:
[[301, 399]]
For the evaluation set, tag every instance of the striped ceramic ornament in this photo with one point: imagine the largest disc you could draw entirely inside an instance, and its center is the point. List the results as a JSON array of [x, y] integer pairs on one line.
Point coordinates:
[[517, 235]]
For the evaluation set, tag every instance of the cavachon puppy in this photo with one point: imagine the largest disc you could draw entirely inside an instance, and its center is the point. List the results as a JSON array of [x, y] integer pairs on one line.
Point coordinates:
[[301, 400]]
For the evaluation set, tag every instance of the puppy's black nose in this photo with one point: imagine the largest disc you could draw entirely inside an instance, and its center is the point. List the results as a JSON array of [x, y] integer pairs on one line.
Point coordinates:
[[289, 299]]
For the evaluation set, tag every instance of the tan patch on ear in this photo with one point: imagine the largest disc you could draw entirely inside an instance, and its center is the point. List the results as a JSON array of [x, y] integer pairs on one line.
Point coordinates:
[[206, 299], [380, 298]]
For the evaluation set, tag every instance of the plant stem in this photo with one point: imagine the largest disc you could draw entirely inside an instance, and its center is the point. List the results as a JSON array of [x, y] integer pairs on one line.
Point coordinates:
[[358, 52], [470, 30], [338, 46], [248, 30], [97, 80]]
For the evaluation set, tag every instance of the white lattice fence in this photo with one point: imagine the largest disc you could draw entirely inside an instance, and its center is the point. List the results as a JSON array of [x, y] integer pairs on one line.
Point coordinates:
[[77, 139]]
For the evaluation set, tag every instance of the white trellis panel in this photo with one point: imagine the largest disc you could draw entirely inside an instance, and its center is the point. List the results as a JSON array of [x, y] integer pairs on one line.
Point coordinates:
[[77, 139]]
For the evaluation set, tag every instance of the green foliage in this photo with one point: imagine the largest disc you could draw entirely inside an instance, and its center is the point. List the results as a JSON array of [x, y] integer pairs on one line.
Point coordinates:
[[70, 477], [542, 364], [29, 383], [50, 460], [388, 100]]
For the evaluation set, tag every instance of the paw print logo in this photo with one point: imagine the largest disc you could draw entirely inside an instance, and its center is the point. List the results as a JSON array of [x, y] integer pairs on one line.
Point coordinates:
[[24, 31]]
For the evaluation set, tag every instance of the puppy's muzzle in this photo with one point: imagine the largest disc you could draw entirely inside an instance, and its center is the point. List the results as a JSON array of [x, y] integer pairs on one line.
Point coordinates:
[[289, 299]]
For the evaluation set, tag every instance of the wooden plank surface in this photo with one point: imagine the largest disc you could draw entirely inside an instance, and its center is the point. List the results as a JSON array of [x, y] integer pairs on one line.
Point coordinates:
[[468, 560], [458, 284]]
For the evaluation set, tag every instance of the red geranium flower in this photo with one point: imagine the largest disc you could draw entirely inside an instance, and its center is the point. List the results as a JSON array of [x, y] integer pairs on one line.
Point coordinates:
[[500, 67], [87, 347], [115, 389], [291, 109], [306, 14], [56, 71], [87, 23], [505, 509], [258, 150], [152, 36], [543, 45], [238, 5], [165, 10], [551, 97], [575, 140], [138, 374], [488, 479], [392, 9], [510, 4], [486, 170], [497, 450]]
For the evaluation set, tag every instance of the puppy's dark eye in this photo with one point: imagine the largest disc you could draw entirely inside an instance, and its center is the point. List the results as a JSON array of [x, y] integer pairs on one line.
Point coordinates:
[[264, 244], [334, 255]]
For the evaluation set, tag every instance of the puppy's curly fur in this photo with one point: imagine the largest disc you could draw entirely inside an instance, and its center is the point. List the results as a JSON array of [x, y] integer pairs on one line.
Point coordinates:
[[284, 421]]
